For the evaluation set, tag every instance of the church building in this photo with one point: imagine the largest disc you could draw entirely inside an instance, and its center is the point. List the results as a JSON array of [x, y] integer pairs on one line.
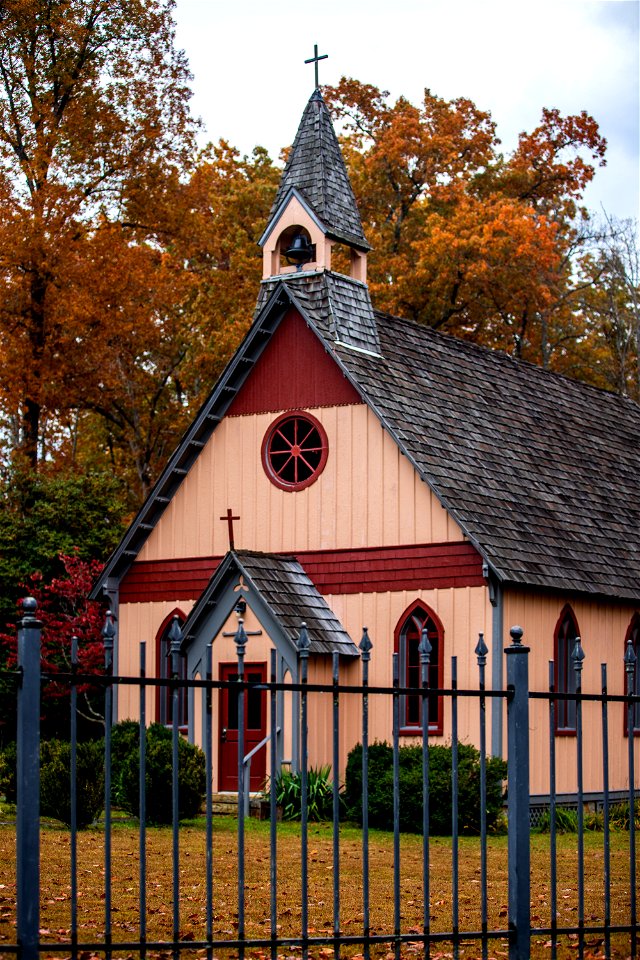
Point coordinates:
[[351, 468]]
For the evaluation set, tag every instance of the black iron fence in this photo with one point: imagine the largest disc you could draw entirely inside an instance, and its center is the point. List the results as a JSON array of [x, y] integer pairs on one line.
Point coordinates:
[[516, 925]]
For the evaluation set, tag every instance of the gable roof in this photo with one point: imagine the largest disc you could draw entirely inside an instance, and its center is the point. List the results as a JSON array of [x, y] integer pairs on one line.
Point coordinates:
[[316, 169], [541, 472], [284, 591]]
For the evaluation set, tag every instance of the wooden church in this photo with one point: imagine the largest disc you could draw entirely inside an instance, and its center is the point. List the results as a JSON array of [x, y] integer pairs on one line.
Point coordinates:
[[353, 468]]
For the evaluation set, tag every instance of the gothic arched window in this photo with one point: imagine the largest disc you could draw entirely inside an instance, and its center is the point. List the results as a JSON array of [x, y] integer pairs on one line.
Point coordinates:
[[164, 694], [407, 640], [566, 635], [633, 637]]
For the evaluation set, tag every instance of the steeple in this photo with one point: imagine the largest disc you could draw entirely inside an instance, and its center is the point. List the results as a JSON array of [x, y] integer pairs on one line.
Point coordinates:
[[315, 200]]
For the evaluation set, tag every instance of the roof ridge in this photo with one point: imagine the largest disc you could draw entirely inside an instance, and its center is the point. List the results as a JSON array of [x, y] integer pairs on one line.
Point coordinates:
[[500, 355]]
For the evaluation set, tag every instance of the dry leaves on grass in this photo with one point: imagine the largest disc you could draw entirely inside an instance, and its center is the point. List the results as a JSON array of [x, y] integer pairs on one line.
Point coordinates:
[[56, 906]]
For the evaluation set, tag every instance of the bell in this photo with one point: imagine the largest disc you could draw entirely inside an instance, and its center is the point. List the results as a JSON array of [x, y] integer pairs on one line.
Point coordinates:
[[300, 251]]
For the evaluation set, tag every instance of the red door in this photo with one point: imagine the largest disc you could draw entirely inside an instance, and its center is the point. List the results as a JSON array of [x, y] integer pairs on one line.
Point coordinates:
[[255, 726]]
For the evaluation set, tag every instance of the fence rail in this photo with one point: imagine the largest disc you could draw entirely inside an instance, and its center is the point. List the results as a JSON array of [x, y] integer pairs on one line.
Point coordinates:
[[518, 927]]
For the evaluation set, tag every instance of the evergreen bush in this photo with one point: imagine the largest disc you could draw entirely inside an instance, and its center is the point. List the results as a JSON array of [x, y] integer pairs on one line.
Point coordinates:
[[55, 784], [380, 785], [158, 775], [125, 737]]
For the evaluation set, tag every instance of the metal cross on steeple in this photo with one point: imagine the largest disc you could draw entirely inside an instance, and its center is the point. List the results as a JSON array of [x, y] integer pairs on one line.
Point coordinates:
[[314, 60]]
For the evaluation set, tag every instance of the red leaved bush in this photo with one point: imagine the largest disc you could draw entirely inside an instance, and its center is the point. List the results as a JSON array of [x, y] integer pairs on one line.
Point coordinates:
[[65, 611]]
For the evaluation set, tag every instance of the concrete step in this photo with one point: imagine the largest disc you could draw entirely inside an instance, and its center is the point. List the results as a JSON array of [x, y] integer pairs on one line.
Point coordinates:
[[226, 804]]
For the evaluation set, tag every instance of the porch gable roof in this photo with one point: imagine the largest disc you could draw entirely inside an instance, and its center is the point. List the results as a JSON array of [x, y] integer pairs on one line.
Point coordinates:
[[278, 590]]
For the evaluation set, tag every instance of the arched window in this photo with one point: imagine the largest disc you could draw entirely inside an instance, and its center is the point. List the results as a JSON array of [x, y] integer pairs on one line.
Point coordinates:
[[164, 694], [407, 641], [633, 636], [566, 635]]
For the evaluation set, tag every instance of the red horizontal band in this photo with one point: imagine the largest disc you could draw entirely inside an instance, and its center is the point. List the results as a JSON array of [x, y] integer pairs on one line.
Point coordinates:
[[369, 570]]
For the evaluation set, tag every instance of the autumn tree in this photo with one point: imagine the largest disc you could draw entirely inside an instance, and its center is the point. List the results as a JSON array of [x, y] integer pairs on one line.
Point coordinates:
[[609, 308], [65, 612], [465, 239], [94, 132]]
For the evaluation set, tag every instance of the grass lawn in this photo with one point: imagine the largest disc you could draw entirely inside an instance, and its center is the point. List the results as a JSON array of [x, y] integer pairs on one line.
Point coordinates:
[[55, 903]]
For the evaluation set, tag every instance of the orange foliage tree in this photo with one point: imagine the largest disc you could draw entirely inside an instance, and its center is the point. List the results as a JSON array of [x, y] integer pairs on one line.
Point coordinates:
[[94, 130], [465, 239]]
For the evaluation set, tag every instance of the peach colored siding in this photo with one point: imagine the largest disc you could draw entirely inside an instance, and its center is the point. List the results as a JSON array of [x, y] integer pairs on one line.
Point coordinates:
[[368, 495], [603, 629], [137, 622]]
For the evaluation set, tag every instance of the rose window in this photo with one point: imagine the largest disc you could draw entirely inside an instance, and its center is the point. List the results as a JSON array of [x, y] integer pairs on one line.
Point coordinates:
[[294, 451]]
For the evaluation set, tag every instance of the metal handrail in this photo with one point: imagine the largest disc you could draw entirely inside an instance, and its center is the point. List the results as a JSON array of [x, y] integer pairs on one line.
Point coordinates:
[[246, 764]]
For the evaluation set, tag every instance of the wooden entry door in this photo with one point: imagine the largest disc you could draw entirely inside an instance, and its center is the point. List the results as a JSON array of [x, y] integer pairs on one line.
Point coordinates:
[[255, 726]]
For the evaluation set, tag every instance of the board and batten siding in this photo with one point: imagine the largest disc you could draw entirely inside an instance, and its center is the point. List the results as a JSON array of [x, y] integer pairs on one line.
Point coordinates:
[[603, 628], [367, 495]]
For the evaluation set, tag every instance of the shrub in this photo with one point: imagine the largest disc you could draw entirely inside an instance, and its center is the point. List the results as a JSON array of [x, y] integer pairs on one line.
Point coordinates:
[[410, 783], [566, 821], [619, 814], [55, 785], [158, 775], [319, 794], [125, 737]]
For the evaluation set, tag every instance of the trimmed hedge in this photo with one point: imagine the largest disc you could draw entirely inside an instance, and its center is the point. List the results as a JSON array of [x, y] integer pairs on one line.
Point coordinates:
[[380, 784], [158, 773]]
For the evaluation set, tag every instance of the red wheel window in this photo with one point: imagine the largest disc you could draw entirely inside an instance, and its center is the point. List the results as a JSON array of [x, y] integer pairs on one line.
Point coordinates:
[[294, 451]]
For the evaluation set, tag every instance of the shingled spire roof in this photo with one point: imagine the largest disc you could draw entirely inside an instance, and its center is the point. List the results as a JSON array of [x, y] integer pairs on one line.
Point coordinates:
[[316, 169]]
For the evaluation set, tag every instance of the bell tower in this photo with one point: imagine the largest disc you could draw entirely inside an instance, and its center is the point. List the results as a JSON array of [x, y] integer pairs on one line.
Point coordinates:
[[315, 219]]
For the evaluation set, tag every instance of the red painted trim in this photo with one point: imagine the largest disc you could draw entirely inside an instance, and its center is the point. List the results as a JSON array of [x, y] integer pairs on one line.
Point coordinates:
[[367, 570], [267, 463], [293, 371], [437, 728], [567, 611]]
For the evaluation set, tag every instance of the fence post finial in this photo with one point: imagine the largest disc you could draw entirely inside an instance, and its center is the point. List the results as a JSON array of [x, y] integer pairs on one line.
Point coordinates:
[[365, 646], [481, 650], [304, 642], [630, 660], [425, 647], [108, 635], [578, 656], [175, 639]]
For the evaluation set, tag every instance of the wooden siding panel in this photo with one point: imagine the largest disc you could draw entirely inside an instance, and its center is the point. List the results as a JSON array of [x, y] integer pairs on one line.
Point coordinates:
[[360, 498], [275, 383], [602, 629], [369, 570]]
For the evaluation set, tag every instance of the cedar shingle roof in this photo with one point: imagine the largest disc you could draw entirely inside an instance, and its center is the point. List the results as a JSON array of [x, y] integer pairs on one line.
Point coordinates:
[[287, 594], [293, 600], [316, 168], [541, 472]]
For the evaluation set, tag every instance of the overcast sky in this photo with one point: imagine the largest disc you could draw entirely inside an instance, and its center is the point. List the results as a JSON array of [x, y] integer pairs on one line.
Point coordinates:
[[511, 58]]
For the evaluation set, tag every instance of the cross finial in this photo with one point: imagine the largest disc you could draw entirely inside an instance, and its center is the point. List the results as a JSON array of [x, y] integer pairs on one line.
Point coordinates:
[[314, 60], [229, 517]]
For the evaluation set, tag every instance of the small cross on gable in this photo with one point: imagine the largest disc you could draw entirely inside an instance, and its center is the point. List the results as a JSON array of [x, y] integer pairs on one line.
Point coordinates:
[[229, 517]]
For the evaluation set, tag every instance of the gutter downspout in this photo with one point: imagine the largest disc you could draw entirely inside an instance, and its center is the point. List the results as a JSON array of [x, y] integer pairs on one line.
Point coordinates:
[[496, 598]]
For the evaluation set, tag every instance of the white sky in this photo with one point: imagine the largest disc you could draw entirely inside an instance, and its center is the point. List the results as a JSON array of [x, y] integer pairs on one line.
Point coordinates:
[[511, 58]]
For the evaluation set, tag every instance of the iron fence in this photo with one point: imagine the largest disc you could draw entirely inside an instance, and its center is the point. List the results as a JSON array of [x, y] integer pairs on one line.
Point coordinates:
[[517, 928]]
